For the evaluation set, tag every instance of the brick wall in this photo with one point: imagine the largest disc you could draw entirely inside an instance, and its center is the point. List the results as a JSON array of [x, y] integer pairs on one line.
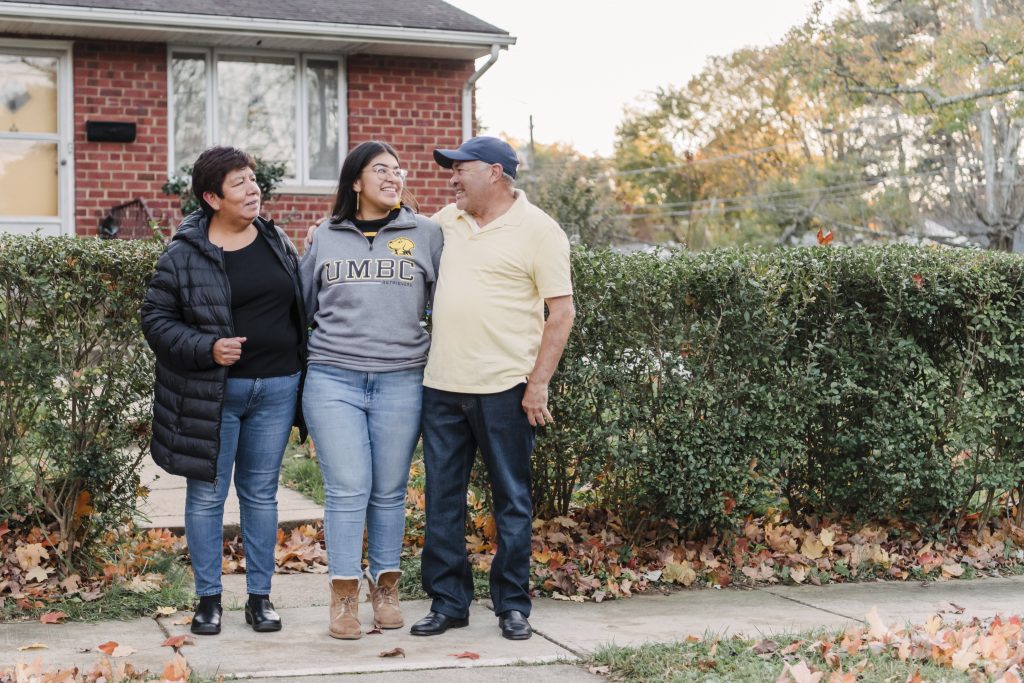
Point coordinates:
[[120, 82], [414, 104]]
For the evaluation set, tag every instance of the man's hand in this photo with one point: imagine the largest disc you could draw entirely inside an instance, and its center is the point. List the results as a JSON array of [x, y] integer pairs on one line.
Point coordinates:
[[309, 233], [227, 350], [535, 404]]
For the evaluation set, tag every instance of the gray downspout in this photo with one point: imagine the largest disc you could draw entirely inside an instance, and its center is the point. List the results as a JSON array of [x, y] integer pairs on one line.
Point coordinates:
[[467, 93]]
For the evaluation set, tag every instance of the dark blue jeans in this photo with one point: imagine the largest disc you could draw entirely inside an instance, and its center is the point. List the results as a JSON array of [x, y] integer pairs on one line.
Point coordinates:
[[454, 427]]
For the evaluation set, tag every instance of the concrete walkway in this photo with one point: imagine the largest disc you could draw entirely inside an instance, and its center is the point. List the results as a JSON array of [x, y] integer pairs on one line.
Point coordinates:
[[164, 507], [566, 632]]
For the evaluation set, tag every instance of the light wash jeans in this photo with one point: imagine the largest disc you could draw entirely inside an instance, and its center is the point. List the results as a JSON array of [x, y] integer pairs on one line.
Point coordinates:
[[255, 422], [365, 426]]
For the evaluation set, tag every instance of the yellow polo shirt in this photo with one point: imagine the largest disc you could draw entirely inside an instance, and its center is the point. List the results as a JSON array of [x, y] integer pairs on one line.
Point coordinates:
[[488, 313]]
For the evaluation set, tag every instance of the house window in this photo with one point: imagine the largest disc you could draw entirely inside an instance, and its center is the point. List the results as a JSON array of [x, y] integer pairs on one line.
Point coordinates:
[[282, 108]]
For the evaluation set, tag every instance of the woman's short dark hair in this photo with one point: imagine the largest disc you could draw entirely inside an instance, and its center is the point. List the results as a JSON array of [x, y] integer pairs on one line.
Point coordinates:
[[358, 159], [210, 169]]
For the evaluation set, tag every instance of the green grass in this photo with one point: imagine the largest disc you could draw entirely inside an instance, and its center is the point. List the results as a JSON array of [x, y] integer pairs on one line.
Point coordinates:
[[118, 603], [302, 474], [410, 586], [734, 661]]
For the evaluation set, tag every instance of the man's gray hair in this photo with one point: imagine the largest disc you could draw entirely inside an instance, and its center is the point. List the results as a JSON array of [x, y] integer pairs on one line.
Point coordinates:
[[509, 180]]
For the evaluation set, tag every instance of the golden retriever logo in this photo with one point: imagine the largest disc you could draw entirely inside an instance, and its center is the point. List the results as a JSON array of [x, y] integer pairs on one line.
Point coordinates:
[[401, 246]]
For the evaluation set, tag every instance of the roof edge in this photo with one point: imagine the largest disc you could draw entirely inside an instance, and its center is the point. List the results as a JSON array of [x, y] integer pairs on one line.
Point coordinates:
[[144, 19]]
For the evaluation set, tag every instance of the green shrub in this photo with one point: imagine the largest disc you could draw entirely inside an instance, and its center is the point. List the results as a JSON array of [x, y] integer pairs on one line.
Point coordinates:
[[75, 382], [876, 382]]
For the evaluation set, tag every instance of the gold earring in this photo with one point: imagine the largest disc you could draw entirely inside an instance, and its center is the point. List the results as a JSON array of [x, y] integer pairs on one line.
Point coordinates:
[[357, 201]]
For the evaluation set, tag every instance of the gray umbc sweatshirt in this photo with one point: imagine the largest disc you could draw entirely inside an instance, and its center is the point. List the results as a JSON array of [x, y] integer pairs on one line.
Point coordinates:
[[367, 300]]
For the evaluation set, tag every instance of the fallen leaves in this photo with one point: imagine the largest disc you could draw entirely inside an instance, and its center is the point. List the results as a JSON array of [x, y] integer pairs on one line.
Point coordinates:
[[679, 572], [178, 641], [395, 652], [176, 669], [53, 617], [33, 646], [113, 649], [597, 564], [991, 649], [466, 655], [31, 574], [145, 583]]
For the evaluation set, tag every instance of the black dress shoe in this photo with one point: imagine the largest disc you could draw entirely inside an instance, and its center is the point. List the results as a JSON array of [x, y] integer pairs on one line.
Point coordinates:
[[261, 616], [435, 623], [206, 620], [514, 626]]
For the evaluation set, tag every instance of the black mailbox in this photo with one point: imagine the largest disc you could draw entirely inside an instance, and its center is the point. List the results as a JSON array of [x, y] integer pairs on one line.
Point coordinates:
[[109, 131]]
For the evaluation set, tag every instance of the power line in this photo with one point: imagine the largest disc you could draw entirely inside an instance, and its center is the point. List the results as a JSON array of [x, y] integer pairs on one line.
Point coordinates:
[[868, 184], [727, 204]]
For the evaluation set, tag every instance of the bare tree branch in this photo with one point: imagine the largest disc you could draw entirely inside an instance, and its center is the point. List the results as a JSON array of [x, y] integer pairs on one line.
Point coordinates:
[[936, 99]]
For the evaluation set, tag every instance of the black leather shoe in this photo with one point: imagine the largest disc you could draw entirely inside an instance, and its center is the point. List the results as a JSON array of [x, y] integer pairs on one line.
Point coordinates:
[[261, 616], [206, 620], [514, 626], [435, 623]]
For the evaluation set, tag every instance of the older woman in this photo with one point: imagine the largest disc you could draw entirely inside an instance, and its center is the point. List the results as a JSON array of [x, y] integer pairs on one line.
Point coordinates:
[[225, 316], [367, 277]]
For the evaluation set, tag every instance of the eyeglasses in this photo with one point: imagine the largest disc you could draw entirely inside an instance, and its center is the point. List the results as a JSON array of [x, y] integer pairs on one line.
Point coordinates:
[[383, 172]]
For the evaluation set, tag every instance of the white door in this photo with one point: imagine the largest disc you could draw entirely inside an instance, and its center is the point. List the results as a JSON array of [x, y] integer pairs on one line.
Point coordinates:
[[36, 156]]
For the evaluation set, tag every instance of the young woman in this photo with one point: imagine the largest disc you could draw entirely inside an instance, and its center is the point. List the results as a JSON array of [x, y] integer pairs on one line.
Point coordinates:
[[367, 277], [225, 316]]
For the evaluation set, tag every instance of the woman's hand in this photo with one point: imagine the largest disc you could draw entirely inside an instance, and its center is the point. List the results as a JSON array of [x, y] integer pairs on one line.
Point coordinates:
[[227, 350]]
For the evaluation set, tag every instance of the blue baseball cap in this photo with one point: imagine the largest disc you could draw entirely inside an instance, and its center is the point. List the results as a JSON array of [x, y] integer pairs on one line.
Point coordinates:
[[482, 148]]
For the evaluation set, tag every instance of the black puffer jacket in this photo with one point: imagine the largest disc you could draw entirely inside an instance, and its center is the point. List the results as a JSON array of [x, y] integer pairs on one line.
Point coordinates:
[[187, 309]]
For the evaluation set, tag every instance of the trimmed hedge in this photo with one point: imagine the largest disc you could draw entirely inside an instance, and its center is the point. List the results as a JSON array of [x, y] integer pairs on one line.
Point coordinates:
[[75, 382], [873, 382], [698, 388]]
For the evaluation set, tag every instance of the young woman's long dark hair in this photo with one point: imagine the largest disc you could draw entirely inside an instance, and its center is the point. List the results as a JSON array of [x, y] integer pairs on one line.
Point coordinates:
[[355, 162]]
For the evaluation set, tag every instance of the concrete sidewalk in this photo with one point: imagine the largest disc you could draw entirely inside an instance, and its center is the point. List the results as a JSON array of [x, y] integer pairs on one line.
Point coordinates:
[[565, 631]]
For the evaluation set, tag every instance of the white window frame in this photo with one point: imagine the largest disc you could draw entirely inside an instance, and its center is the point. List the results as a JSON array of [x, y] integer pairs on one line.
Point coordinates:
[[301, 183], [64, 137]]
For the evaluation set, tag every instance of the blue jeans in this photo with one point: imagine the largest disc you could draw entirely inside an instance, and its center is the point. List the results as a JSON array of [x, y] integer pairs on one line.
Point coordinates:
[[365, 426], [255, 422], [454, 426]]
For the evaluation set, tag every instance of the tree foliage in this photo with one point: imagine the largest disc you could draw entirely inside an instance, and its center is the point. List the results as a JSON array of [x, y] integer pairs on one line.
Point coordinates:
[[574, 190], [953, 71], [865, 120]]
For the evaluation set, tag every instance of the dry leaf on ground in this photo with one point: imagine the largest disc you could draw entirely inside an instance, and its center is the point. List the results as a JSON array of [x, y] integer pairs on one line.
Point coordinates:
[[33, 646], [53, 617]]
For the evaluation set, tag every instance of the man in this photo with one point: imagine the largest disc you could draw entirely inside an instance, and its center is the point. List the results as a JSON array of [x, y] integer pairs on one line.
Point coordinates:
[[492, 356]]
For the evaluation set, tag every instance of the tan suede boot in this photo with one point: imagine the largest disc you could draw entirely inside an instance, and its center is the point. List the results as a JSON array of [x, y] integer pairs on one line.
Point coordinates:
[[384, 596], [345, 609]]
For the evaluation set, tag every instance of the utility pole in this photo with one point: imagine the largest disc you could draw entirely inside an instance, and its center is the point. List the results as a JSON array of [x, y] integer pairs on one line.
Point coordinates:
[[533, 151]]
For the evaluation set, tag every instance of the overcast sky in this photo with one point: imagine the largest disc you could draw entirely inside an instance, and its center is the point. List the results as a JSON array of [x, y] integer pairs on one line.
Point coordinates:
[[577, 63]]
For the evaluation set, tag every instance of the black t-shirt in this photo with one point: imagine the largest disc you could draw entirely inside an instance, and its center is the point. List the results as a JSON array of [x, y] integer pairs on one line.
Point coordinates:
[[264, 311], [370, 228]]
